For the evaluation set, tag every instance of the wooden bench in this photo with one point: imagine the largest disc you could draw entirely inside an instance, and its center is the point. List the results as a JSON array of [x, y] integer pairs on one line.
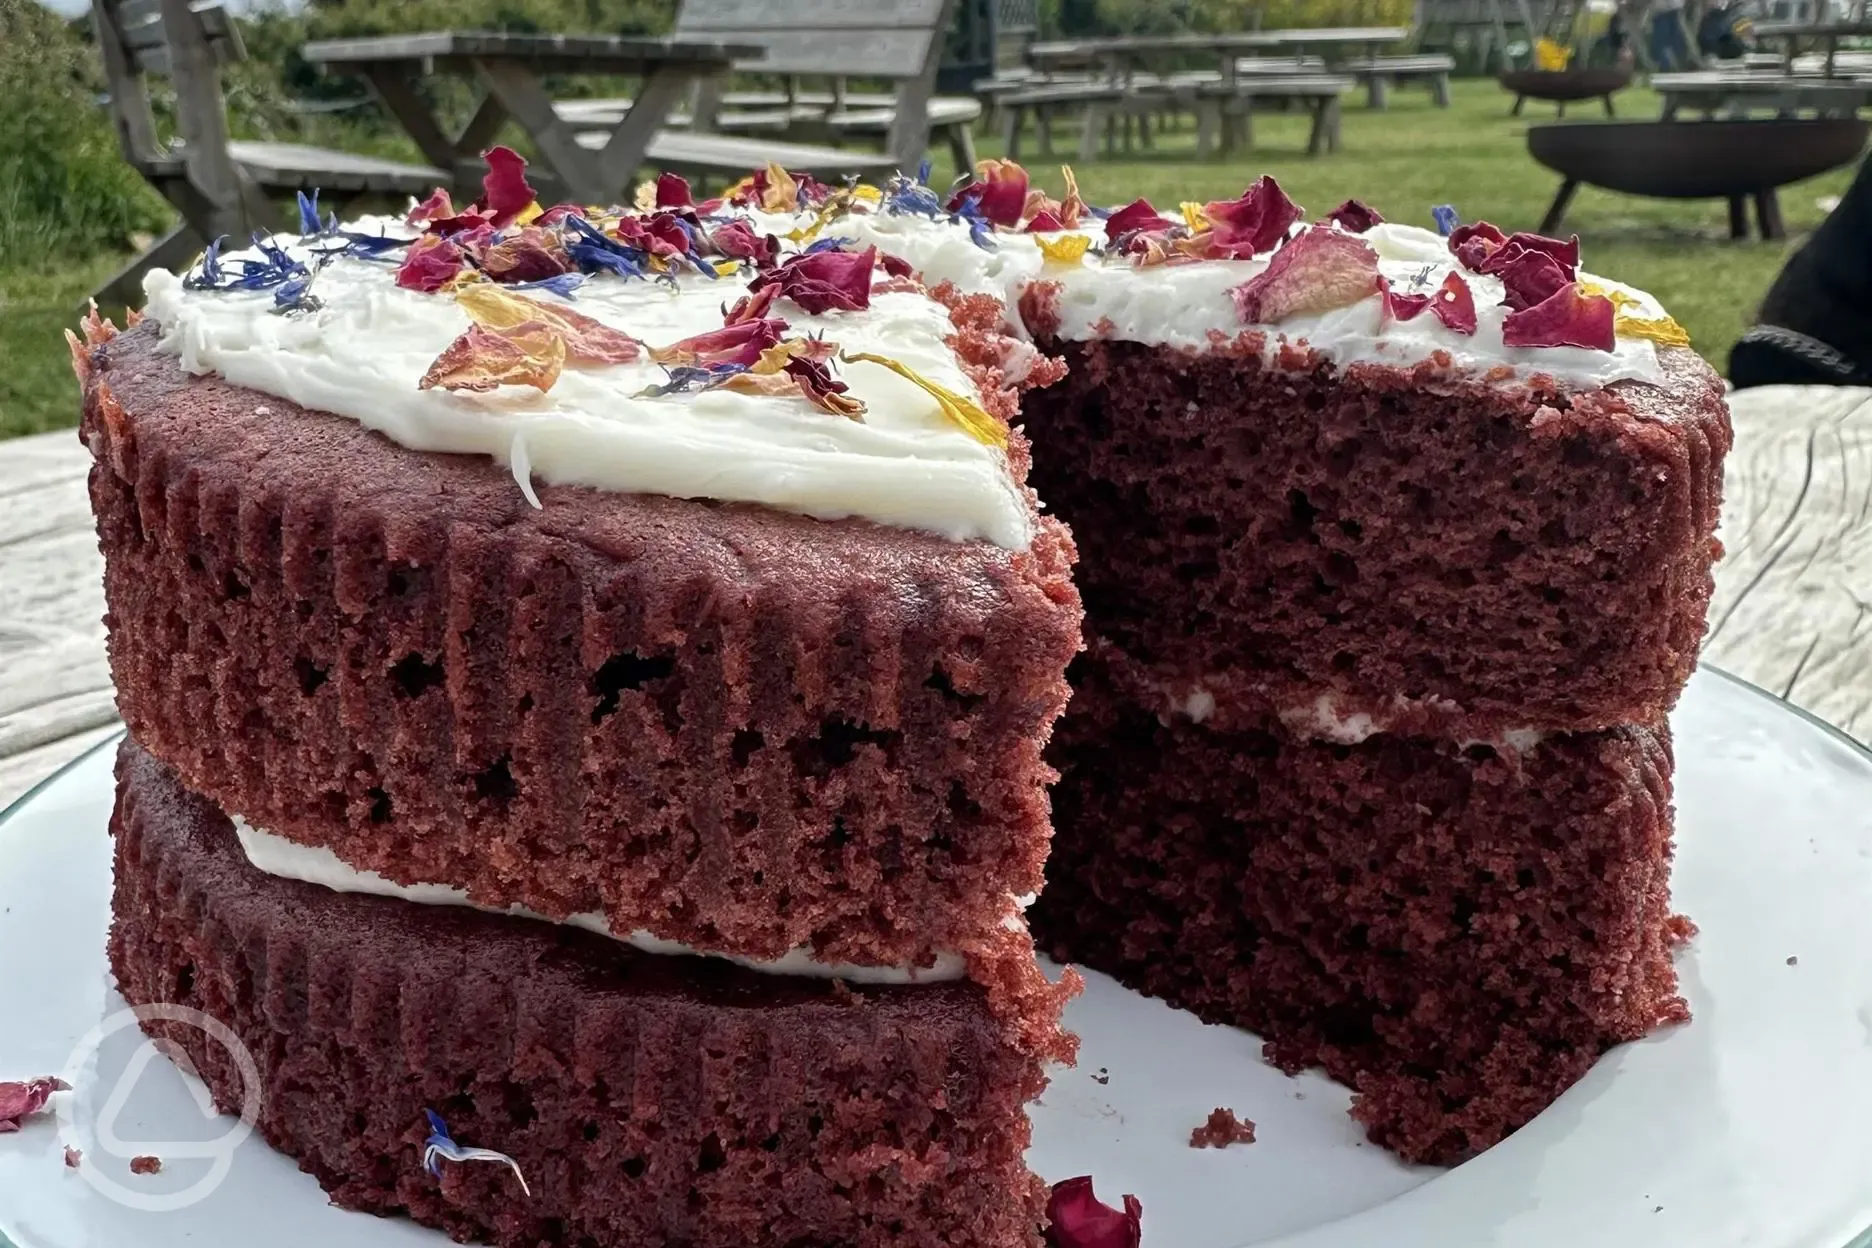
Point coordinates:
[[1094, 103], [1225, 110], [900, 41], [217, 185], [1738, 91], [1379, 72]]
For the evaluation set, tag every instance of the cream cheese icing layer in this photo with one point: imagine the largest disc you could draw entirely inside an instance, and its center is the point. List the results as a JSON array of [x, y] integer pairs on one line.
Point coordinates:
[[313, 864], [362, 352], [1184, 305]]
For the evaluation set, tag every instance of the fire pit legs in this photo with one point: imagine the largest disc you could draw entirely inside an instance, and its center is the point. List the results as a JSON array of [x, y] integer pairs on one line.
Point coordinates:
[[1550, 224], [1738, 217], [1768, 214]]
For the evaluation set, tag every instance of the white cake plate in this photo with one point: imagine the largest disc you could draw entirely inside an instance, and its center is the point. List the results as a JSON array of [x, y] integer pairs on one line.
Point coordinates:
[[1752, 1125]]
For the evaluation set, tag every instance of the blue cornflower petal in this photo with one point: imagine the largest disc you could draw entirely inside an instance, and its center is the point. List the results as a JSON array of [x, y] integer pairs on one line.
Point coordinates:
[[308, 214], [1446, 219], [561, 284]]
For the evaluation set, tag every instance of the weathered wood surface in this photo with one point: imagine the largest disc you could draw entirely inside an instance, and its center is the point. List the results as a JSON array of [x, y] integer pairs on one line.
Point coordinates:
[[1793, 607]]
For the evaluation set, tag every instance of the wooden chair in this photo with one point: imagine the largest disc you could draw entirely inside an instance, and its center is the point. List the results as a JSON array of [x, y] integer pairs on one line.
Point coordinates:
[[217, 185], [900, 41]]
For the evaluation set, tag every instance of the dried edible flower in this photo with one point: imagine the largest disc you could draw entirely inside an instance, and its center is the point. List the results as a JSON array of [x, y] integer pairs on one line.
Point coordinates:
[[309, 223], [594, 251], [436, 208], [1134, 216], [1079, 1219], [672, 191], [586, 341], [1044, 222], [999, 192], [751, 307], [894, 266], [1473, 244], [1067, 249], [1452, 302], [505, 193], [1446, 219], [1564, 251], [72, 1157], [906, 196], [800, 366], [146, 1164], [1252, 224], [965, 413], [22, 1099], [1569, 318], [824, 280], [772, 189], [1071, 207], [532, 255], [739, 343], [738, 239], [1661, 329], [1316, 272], [431, 263], [439, 1148], [1528, 276], [531, 354], [1355, 216]]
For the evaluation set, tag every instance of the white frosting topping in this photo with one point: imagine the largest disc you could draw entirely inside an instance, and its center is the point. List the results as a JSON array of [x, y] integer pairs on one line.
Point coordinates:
[[1182, 305], [362, 352], [289, 860]]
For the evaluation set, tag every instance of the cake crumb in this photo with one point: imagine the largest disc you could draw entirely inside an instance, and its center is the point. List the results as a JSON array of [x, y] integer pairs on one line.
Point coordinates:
[[146, 1165], [1222, 1130], [1792, 960], [1103, 1076], [72, 1157]]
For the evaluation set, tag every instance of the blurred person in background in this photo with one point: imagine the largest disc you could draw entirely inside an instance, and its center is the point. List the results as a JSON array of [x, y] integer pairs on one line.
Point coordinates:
[[1668, 41]]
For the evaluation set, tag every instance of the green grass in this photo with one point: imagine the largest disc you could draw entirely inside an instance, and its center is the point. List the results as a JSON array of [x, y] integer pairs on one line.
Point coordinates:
[[1401, 162]]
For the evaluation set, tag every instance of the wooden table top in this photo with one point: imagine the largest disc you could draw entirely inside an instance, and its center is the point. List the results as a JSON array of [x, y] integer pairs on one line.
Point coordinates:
[[1793, 607], [547, 53], [1226, 41]]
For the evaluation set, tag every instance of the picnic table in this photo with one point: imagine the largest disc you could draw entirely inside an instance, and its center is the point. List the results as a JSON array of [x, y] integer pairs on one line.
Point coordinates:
[[1826, 34], [1792, 612], [1119, 57], [509, 69]]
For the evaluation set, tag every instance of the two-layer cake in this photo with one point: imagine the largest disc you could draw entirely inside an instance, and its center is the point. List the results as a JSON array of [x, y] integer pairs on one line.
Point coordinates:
[[670, 575]]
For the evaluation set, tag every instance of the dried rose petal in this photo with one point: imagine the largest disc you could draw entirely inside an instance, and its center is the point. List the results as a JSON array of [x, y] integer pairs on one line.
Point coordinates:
[[430, 264], [1072, 207], [1565, 252], [738, 240], [532, 255], [1528, 277], [818, 384], [1045, 223], [435, 208], [72, 1157], [1355, 216], [1454, 304], [1078, 1219], [1134, 216], [1473, 244], [1255, 223], [485, 359], [660, 234], [21, 1100], [559, 212], [751, 307], [895, 266], [146, 1165], [1569, 318], [1316, 272], [468, 221], [672, 191], [738, 343], [999, 192], [504, 191], [822, 280], [586, 341]]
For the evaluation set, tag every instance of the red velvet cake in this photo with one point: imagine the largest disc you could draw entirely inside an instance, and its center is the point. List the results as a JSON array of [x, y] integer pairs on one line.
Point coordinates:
[[1395, 549]]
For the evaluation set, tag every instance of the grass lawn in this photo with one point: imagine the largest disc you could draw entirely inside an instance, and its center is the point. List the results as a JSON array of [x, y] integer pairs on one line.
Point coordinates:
[[1401, 162]]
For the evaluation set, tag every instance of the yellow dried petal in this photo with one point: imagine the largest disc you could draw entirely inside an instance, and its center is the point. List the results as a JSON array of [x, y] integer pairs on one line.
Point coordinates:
[[835, 204], [782, 194], [1194, 216], [965, 413], [727, 268], [587, 341], [644, 198], [531, 354], [865, 193], [1066, 249], [1663, 330], [529, 214]]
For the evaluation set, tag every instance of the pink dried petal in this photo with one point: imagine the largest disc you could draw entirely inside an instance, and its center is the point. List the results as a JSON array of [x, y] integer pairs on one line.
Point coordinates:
[[751, 307], [21, 1100], [894, 266], [468, 221], [529, 256], [146, 1164], [738, 241], [1473, 244], [559, 212], [1044, 223], [1255, 223], [999, 193], [1568, 318], [737, 343], [825, 391], [1078, 1219], [1565, 252], [1452, 302], [1316, 272], [435, 208], [431, 263], [822, 280], [1528, 277], [672, 191], [1355, 217], [1134, 216], [505, 193]]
